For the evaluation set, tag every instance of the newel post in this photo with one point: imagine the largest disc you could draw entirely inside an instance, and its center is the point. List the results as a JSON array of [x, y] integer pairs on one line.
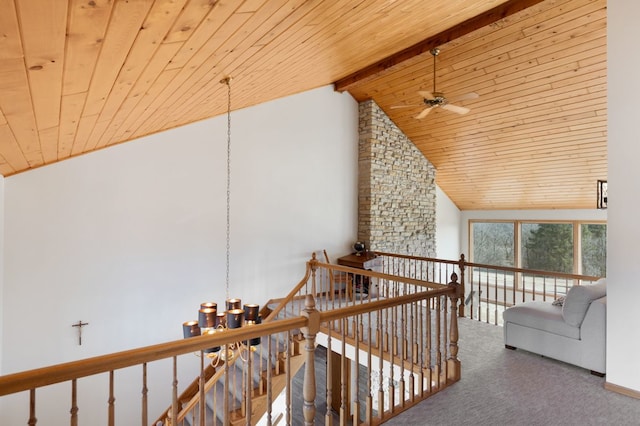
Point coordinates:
[[309, 383], [461, 293], [453, 363]]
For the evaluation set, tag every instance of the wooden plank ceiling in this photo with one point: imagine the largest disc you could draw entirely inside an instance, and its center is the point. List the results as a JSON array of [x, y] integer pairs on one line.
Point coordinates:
[[82, 75]]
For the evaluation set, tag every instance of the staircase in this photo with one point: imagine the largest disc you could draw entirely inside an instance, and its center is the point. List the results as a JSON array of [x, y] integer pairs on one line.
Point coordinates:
[[246, 389], [249, 377]]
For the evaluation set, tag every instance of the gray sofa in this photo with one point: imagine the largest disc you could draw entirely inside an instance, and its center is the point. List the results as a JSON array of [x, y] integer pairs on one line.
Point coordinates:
[[574, 332]]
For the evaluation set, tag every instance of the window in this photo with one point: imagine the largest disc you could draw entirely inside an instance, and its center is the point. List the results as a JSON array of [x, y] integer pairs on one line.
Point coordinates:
[[594, 249], [493, 243], [568, 247], [547, 247]]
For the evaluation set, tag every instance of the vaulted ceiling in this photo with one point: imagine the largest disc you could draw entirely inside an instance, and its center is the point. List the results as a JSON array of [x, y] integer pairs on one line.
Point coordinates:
[[82, 75]]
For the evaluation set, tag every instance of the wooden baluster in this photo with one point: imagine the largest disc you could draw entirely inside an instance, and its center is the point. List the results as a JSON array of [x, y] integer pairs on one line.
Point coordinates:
[[495, 299], [352, 330], [369, 408], [262, 386], [112, 399], [420, 352], [412, 338], [269, 368], [403, 351], [487, 308], [309, 384], [386, 320], [392, 387], [201, 384], [380, 367], [234, 383], [356, 400], [453, 361], [74, 402], [343, 379], [174, 393], [439, 339], [32, 408], [145, 392], [504, 291], [288, 417], [445, 337], [226, 420], [360, 334], [429, 332], [247, 387], [328, 417], [394, 332]]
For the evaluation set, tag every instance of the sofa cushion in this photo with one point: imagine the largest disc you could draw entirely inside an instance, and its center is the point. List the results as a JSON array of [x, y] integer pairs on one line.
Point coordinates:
[[541, 316], [579, 298]]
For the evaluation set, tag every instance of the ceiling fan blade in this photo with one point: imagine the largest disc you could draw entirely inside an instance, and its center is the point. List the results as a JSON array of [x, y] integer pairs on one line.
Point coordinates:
[[424, 113], [405, 106], [426, 95], [456, 109], [465, 97]]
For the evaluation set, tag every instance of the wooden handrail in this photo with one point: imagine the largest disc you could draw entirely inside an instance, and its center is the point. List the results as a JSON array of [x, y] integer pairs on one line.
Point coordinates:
[[363, 308], [482, 265], [424, 259], [39, 377], [374, 274], [533, 272], [289, 297]]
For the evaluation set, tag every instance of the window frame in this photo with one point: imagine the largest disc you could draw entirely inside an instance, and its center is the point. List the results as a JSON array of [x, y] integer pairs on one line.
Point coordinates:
[[517, 235]]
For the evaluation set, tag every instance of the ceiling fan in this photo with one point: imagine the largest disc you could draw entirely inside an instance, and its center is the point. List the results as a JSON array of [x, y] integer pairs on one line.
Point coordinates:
[[437, 99]]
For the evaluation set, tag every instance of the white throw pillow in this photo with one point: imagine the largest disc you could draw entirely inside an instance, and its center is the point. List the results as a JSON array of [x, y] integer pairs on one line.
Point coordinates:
[[578, 300]]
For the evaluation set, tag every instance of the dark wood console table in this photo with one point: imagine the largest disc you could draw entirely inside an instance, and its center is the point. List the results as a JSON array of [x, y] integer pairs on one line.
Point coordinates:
[[362, 261]]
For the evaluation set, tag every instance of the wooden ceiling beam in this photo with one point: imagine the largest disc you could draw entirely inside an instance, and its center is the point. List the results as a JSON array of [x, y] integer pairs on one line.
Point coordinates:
[[389, 63]]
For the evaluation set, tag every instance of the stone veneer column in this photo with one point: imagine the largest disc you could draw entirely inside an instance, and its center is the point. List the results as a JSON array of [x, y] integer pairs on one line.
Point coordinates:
[[397, 191]]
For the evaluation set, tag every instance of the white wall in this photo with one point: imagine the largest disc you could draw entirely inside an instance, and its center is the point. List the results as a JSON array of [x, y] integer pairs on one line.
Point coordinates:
[[623, 268], [447, 227], [132, 238]]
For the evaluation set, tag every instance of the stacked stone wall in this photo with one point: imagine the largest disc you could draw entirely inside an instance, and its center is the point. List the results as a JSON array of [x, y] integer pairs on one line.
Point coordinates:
[[397, 191]]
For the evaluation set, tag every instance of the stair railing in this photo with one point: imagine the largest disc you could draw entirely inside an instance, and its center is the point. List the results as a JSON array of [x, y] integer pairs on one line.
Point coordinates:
[[488, 289], [405, 330]]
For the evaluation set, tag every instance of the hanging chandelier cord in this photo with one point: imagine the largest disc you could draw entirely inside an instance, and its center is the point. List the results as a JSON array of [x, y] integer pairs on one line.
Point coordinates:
[[227, 81]]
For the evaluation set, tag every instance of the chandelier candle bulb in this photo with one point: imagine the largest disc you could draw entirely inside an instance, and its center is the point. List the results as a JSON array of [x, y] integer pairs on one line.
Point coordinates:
[[234, 304], [207, 318], [209, 305], [221, 320], [235, 318], [251, 312], [190, 329]]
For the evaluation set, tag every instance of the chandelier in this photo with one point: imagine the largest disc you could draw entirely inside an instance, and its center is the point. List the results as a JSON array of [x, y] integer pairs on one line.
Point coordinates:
[[234, 315]]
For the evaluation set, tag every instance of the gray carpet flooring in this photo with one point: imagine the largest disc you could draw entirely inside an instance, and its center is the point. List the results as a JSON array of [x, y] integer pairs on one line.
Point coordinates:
[[504, 387]]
